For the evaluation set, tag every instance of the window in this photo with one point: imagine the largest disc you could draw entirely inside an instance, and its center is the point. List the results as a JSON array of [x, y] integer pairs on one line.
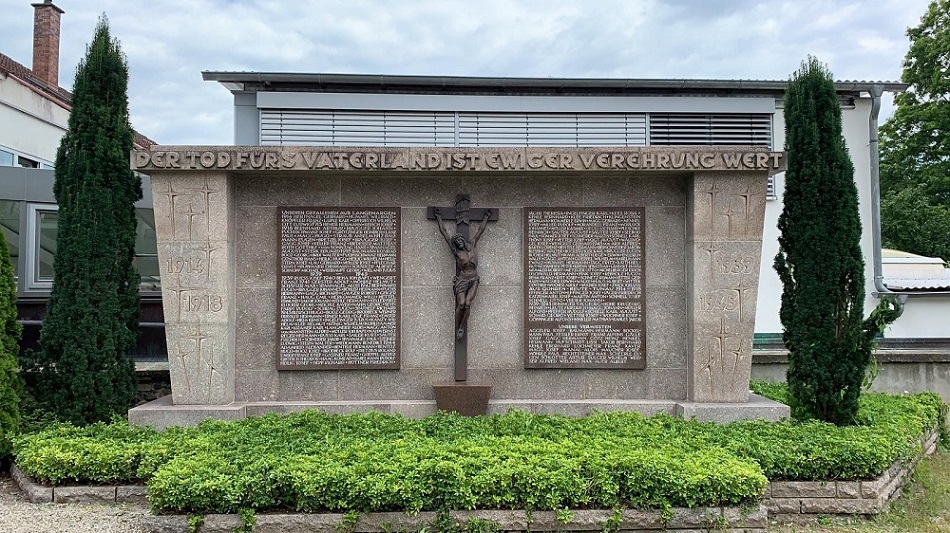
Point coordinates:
[[41, 233], [146, 250], [26, 162], [10, 225], [42, 224], [6, 159]]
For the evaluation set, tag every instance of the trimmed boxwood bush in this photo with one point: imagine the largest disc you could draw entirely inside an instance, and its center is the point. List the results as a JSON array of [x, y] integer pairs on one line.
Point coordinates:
[[315, 462]]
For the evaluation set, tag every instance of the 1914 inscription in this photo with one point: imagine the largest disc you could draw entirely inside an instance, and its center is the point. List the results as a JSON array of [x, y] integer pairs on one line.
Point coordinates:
[[338, 288], [584, 288]]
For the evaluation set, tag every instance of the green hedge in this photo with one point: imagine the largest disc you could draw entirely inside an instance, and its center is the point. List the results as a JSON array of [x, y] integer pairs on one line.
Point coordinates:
[[315, 462]]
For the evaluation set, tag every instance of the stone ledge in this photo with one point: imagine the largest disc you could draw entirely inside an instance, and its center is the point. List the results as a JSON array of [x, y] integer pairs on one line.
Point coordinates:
[[868, 497], [162, 413], [727, 519], [38, 493]]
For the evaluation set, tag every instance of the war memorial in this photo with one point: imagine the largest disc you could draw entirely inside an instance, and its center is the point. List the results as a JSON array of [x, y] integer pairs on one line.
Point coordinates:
[[551, 279]]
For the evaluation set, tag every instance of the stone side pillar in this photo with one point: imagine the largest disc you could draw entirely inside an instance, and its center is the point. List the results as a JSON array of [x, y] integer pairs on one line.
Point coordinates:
[[724, 216], [194, 222]]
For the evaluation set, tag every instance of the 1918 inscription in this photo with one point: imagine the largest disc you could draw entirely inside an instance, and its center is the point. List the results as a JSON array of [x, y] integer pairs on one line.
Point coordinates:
[[584, 288], [338, 288]]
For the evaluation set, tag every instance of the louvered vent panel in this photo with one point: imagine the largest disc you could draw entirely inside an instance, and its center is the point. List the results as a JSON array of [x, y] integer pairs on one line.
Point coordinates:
[[551, 129], [353, 128], [724, 129]]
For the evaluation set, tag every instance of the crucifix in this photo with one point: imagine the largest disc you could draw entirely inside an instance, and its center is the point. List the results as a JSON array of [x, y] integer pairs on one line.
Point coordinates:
[[465, 283]]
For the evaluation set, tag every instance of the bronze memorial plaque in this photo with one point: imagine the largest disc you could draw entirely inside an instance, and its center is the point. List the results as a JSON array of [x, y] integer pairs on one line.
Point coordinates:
[[584, 288], [338, 288]]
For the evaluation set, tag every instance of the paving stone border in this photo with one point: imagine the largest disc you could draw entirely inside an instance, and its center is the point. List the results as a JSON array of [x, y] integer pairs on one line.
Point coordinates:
[[725, 519], [37, 493], [784, 499]]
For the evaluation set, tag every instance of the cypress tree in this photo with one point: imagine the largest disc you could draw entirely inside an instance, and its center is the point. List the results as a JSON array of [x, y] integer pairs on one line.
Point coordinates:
[[819, 261], [82, 372], [11, 385]]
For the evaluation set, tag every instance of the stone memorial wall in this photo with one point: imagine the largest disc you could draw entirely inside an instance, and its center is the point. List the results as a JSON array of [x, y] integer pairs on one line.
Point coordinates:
[[620, 278]]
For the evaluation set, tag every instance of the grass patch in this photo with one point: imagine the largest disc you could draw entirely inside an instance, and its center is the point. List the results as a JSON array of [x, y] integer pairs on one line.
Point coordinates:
[[373, 462]]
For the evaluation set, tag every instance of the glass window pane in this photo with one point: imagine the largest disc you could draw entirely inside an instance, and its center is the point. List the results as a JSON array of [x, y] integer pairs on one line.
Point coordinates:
[[146, 250], [6, 159], [10, 225], [47, 221]]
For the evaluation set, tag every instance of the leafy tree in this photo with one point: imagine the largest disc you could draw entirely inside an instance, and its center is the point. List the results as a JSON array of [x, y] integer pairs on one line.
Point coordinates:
[[11, 385], [82, 372], [819, 259], [915, 144]]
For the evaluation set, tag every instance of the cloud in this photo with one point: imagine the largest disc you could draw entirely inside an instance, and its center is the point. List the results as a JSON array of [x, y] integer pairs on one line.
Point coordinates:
[[169, 43]]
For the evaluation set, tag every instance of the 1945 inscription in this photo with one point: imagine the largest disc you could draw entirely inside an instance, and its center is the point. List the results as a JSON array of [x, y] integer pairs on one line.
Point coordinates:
[[338, 288], [584, 288]]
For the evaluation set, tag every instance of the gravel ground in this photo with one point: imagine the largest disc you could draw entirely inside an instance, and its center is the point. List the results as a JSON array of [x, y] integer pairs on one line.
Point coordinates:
[[18, 515]]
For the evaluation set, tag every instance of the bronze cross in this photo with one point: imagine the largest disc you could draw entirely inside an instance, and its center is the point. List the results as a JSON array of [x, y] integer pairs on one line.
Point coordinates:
[[466, 277]]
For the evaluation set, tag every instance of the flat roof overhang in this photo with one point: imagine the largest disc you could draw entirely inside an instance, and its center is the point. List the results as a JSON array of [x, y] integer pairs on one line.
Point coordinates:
[[371, 83]]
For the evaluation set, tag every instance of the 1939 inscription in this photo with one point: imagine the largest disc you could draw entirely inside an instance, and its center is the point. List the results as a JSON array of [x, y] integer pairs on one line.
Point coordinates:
[[338, 288], [584, 288]]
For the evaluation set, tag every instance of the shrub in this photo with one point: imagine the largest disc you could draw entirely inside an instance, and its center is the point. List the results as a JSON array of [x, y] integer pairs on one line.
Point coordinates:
[[11, 385], [315, 462]]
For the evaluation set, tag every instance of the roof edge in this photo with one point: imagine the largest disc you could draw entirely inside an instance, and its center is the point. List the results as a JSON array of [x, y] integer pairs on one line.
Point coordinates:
[[385, 81]]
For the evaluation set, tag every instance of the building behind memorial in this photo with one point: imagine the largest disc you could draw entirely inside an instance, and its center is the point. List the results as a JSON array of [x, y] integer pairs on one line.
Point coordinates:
[[352, 110], [685, 171], [34, 115]]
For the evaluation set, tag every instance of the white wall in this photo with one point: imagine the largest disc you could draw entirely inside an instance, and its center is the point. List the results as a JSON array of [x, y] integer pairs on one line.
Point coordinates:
[[855, 128], [923, 316], [29, 123]]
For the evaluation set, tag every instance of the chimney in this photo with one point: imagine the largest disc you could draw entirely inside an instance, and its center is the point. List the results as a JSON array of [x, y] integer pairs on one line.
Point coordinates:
[[46, 42]]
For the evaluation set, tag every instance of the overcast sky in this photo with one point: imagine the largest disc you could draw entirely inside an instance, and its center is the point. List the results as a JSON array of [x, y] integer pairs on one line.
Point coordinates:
[[169, 42]]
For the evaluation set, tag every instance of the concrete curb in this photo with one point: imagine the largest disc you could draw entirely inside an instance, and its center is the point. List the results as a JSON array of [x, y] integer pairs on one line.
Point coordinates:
[[869, 497], [38, 493], [727, 519]]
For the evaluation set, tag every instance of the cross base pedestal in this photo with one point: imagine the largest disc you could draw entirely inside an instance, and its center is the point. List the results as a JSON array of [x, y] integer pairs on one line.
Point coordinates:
[[467, 398]]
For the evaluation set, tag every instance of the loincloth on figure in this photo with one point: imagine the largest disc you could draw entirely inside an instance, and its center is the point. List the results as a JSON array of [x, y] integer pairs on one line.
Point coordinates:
[[463, 285]]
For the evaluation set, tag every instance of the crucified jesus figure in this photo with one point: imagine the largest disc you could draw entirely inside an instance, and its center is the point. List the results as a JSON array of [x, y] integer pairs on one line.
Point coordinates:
[[465, 283]]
